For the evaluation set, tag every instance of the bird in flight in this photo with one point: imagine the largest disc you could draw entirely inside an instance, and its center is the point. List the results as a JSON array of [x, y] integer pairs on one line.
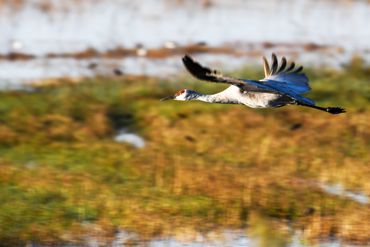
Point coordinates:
[[283, 85]]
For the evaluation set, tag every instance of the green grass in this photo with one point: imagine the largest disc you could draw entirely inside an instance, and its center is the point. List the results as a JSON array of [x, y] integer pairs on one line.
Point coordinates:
[[205, 167]]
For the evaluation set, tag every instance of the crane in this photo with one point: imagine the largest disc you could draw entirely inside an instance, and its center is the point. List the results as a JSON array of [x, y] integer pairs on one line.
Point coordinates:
[[283, 85]]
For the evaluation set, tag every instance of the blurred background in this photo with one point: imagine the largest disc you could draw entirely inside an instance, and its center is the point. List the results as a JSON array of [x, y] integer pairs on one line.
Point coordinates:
[[89, 156]]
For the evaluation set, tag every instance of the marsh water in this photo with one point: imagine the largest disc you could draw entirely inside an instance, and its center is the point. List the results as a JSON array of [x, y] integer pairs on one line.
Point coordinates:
[[227, 238], [45, 40], [319, 33]]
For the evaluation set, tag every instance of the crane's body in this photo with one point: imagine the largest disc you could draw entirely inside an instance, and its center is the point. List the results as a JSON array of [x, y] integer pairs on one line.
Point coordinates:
[[281, 86], [233, 95]]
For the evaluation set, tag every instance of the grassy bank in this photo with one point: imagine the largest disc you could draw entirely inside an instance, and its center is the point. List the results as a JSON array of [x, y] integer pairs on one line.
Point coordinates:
[[204, 167]]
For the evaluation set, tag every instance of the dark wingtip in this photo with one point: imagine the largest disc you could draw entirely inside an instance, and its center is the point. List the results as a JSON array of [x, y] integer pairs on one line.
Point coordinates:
[[291, 67], [186, 57], [335, 110], [195, 68], [187, 60]]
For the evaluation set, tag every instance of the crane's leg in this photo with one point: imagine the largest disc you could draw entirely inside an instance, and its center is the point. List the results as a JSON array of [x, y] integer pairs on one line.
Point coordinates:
[[332, 110]]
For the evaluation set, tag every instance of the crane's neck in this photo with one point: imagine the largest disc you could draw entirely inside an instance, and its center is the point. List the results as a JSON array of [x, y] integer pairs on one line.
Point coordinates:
[[212, 98]]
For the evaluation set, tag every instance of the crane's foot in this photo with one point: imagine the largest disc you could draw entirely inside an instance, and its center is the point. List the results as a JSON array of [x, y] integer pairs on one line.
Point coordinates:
[[335, 110]]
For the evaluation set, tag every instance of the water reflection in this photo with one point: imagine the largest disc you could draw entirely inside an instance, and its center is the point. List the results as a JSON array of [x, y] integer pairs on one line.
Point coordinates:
[[226, 238], [339, 190]]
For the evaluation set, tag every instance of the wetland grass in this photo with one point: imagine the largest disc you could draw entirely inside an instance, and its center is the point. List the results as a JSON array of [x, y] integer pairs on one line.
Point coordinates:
[[204, 168]]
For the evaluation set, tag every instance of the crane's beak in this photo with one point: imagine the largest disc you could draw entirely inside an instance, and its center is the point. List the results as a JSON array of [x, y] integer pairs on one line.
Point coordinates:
[[168, 98]]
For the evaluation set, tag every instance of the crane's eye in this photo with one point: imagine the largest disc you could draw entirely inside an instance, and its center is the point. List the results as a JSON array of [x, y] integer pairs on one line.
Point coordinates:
[[180, 92]]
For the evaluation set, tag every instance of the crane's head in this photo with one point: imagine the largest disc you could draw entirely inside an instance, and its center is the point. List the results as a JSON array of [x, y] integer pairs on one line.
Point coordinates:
[[183, 94]]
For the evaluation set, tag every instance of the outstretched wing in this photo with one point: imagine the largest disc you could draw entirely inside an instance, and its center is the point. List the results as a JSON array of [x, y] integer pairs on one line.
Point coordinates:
[[285, 77], [203, 73], [279, 86]]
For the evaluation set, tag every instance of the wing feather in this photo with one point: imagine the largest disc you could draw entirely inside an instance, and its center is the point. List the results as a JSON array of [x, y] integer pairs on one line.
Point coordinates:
[[266, 66], [282, 66], [298, 70], [274, 64], [207, 74], [291, 67]]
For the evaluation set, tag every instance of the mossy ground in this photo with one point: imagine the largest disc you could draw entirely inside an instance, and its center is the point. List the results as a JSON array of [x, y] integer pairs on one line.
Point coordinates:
[[204, 168]]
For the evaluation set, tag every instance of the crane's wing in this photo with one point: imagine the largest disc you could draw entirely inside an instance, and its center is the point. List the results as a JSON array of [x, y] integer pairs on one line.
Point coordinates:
[[266, 85], [285, 77], [203, 73]]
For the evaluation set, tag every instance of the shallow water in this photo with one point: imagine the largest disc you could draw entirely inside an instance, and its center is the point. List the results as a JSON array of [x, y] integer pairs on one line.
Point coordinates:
[[39, 27], [339, 190], [18, 74], [232, 238], [74, 26]]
